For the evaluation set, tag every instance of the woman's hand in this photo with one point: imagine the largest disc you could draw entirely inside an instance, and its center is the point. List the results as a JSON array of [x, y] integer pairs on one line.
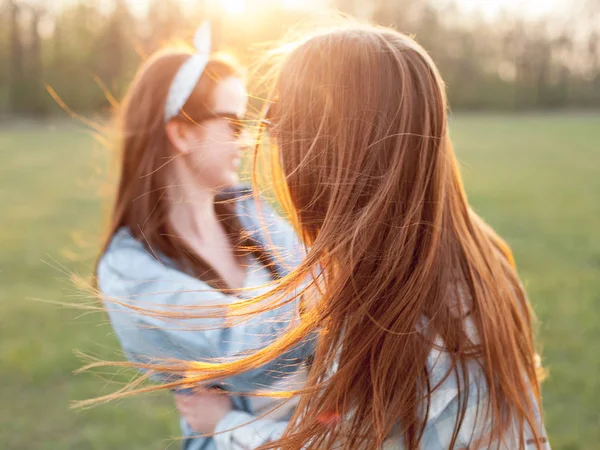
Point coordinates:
[[203, 409]]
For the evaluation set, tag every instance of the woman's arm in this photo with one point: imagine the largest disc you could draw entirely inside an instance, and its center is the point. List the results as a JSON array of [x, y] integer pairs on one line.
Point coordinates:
[[242, 431], [132, 276], [263, 223], [208, 413]]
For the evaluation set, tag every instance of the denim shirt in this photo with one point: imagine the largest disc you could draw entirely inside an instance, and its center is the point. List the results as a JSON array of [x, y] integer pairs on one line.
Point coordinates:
[[130, 274], [239, 430]]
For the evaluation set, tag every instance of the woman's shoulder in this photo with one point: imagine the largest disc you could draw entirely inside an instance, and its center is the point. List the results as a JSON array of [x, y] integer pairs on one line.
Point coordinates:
[[123, 243], [243, 197], [130, 271], [123, 239], [448, 379], [126, 257], [253, 211]]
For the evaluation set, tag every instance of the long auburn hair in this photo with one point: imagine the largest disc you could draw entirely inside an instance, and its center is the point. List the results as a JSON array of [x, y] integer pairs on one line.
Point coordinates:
[[362, 162], [141, 204]]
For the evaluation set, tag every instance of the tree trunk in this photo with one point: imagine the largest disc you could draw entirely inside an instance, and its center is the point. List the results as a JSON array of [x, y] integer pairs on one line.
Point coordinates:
[[17, 70], [35, 77]]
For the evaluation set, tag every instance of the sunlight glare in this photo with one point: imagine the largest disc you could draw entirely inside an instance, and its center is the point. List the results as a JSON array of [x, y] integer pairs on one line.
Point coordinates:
[[292, 4], [491, 8], [233, 6]]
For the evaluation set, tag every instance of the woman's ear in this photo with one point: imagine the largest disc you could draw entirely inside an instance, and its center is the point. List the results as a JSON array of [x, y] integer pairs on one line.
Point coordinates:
[[179, 136]]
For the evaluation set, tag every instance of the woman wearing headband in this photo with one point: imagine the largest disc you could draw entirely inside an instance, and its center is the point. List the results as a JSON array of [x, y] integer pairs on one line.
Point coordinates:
[[183, 235]]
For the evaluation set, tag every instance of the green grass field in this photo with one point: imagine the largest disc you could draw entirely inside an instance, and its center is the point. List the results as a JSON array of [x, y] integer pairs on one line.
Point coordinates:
[[535, 178]]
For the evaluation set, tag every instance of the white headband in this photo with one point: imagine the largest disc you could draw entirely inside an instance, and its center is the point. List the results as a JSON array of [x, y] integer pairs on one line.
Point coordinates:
[[189, 73]]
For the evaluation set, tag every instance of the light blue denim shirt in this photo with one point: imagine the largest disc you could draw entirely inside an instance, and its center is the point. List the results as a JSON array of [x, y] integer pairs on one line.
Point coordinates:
[[239, 430], [130, 274]]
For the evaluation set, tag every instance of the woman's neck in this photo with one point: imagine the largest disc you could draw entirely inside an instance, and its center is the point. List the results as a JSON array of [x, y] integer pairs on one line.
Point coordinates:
[[194, 219], [192, 208]]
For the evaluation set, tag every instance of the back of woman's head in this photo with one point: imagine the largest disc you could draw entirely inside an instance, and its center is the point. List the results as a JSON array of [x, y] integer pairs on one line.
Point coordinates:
[[364, 110]]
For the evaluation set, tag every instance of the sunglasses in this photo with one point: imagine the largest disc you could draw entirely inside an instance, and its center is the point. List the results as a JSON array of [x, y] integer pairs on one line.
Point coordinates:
[[235, 122]]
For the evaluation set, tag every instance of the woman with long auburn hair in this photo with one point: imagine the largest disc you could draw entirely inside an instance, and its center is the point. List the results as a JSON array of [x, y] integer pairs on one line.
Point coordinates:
[[183, 234], [424, 332]]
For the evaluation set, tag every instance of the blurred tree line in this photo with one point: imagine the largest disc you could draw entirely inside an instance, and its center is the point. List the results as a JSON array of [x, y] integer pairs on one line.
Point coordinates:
[[87, 51]]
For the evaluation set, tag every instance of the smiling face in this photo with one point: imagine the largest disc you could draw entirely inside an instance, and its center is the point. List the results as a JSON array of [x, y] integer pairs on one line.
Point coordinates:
[[216, 151], [211, 148]]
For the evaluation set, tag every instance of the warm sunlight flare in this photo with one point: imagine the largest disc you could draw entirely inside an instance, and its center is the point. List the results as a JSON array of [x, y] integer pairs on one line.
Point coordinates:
[[487, 8], [491, 8], [293, 4], [233, 6]]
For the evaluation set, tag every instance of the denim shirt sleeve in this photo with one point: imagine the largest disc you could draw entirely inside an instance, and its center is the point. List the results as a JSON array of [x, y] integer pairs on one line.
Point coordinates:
[[263, 223], [239, 430], [128, 274], [474, 432], [446, 404]]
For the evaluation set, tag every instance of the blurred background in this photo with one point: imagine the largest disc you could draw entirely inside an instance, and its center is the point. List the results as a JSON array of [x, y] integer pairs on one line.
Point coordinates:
[[524, 86]]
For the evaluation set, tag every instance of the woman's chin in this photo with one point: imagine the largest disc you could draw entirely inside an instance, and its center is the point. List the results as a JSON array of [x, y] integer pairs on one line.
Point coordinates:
[[225, 181], [230, 180], [234, 179]]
